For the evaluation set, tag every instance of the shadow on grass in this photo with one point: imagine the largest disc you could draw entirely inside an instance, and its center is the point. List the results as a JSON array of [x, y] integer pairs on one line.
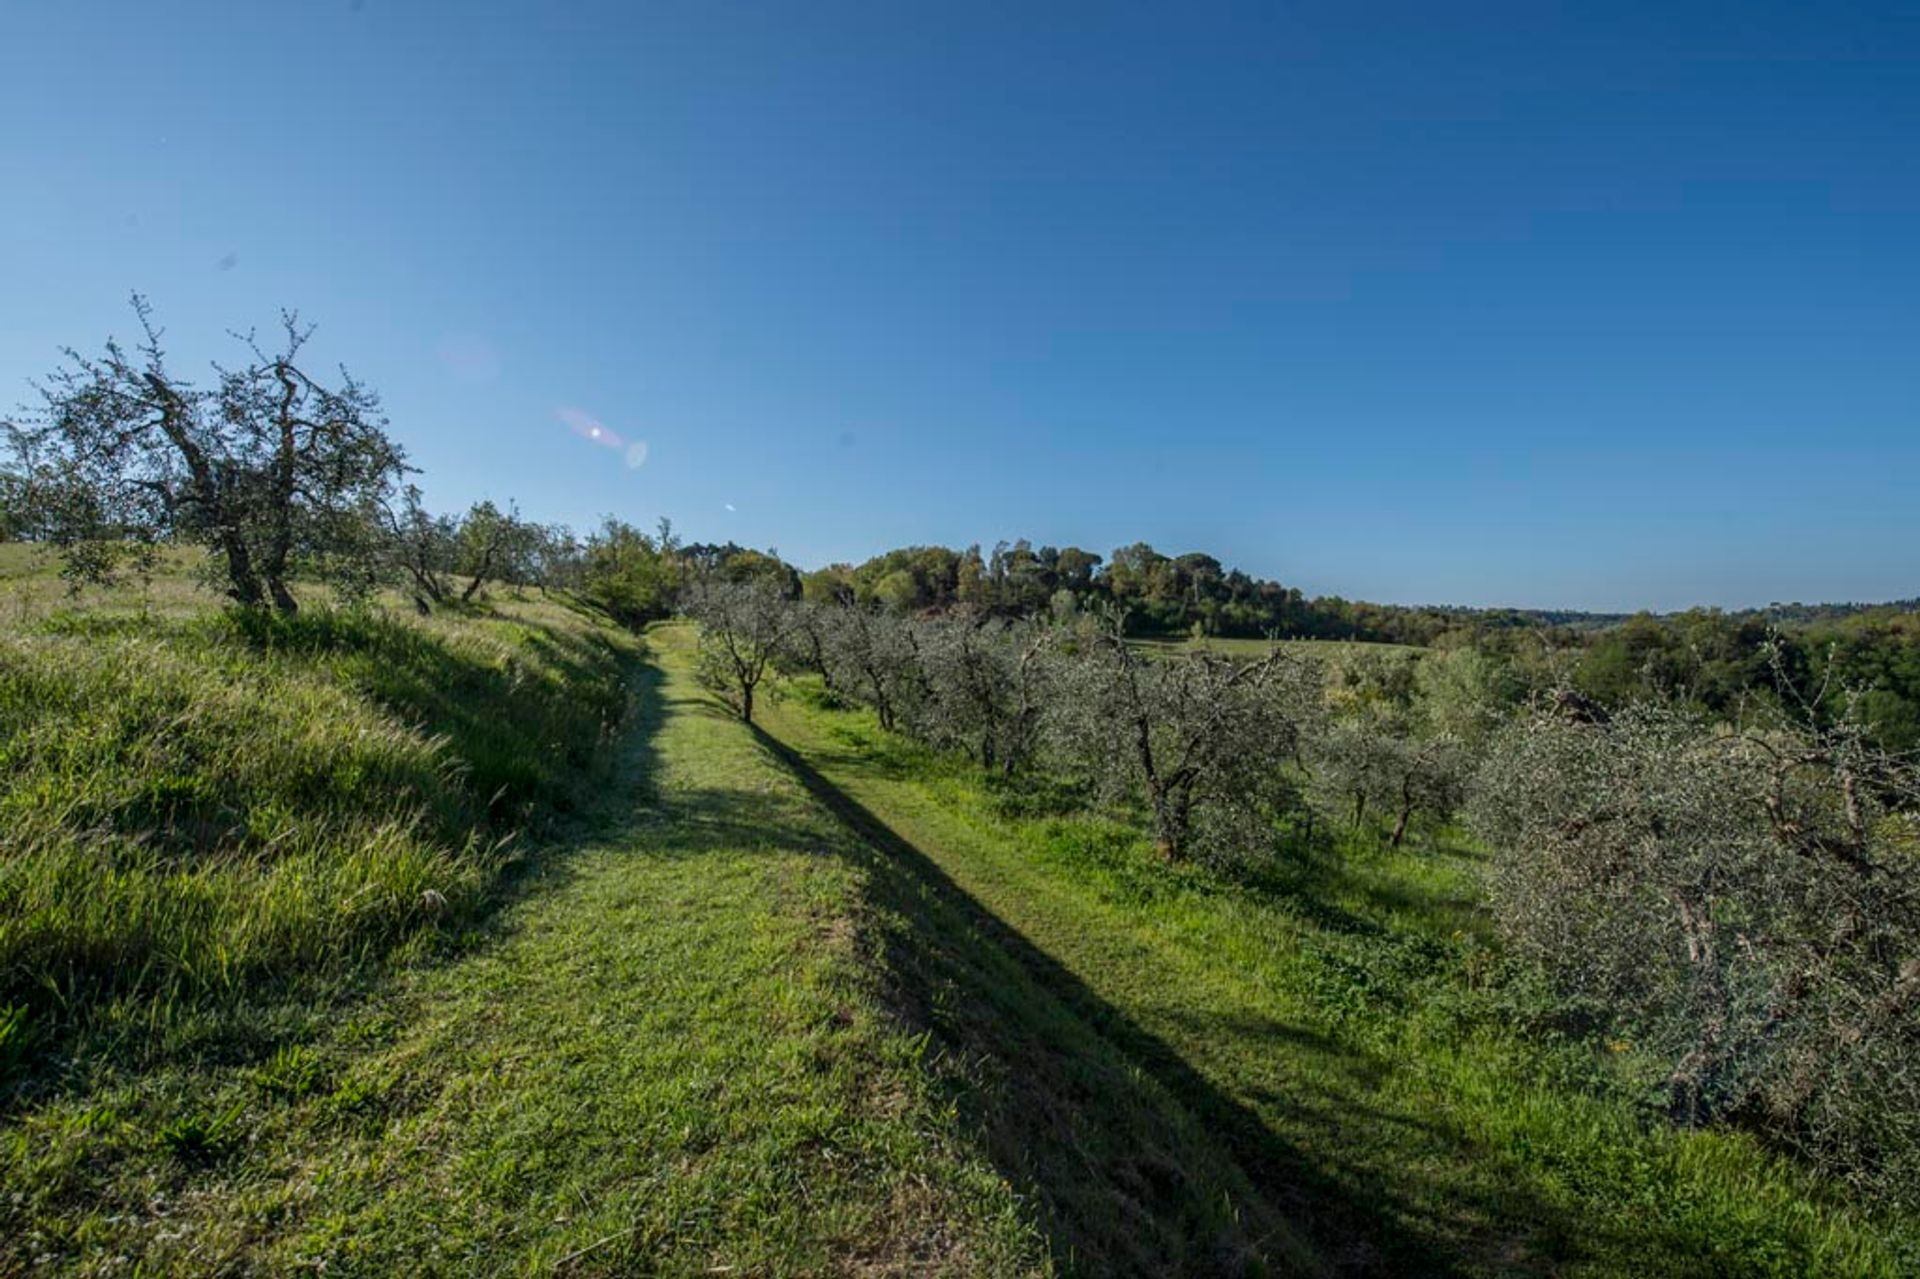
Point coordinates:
[[1137, 1162]]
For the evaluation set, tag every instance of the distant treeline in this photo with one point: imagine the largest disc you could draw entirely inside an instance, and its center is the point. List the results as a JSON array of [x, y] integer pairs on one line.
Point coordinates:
[[1162, 595]]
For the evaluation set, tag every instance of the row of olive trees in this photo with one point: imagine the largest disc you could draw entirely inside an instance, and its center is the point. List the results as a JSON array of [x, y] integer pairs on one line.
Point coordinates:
[[1211, 746], [1740, 909]]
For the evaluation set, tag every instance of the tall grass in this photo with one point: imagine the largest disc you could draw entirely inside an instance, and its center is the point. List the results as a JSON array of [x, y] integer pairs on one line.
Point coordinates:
[[193, 807]]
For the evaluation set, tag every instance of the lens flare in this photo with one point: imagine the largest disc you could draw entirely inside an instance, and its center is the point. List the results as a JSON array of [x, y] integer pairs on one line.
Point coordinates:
[[594, 431], [589, 427]]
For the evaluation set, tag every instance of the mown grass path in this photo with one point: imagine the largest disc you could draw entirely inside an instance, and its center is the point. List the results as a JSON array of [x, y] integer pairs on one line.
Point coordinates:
[[1321, 1046], [665, 1056]]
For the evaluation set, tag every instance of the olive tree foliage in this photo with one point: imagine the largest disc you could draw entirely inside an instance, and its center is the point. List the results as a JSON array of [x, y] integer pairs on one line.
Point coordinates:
[[984, 685], [440, 559], [1399, 742], [421, 549], [1380, 764], [744, 627], [15, 521], [1207, 740], [1744, 907], [493, 546], [1466, 693], [267, 467], [812, 638], [871, 655]]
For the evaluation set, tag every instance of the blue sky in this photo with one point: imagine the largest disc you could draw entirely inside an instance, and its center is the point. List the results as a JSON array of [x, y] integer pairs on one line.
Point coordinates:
[[1587, 305]]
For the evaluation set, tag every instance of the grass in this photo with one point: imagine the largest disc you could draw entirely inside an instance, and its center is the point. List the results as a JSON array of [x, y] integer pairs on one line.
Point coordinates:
[[202, 807], [666, 1050], [1344, 1036]]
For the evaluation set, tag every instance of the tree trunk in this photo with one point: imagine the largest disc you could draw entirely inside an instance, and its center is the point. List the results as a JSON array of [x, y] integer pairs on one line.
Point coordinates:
[[280, 513], [746, 703], [243, 586]]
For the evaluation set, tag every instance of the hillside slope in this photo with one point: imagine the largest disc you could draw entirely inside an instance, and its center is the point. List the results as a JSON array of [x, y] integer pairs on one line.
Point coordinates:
[[665, 1054]]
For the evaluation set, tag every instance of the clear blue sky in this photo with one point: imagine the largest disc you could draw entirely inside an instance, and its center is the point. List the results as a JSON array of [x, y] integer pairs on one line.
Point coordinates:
[[1598, 305]]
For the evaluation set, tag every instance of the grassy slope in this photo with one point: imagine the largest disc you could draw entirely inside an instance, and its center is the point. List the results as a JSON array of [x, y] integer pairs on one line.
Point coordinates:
[[1341, 1037], [666, 1053], [206, 814]]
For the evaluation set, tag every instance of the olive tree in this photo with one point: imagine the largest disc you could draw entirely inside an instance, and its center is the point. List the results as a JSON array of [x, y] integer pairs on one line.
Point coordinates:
[[422, 548], [1380, 764], [632, 576], [986, 682], [873, 656], [744, 627], [1206, 739], [493, 545], [811, 639], [266, 467], [1744, 905]]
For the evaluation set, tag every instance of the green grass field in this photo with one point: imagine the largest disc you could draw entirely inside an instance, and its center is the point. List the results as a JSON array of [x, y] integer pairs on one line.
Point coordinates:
[[489, 944]]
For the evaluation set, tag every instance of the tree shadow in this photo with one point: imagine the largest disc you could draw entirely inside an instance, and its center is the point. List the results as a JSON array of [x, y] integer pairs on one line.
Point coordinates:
[[1135, 1161]]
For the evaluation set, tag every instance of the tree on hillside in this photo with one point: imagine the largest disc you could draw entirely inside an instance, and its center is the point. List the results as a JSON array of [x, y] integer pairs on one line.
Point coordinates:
[[1381, 763], [493, 545], [744, 626], [632, 577], [988, 681], [421, 547], [267, 468], [874, 658], [1204, 737], [812, 636], [1740, 904], [14, 523]]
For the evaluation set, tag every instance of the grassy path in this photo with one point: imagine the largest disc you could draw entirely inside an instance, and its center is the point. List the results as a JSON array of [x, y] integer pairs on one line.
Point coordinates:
[[668, 1055], [1329, 1046]]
